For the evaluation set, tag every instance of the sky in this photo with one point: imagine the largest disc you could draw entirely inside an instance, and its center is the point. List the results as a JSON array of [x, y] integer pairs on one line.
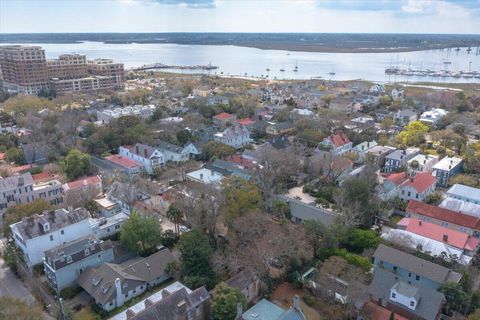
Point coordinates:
[[349, 16]]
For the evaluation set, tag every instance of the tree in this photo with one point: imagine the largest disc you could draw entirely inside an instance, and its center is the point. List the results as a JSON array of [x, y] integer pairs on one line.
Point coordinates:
[[413, 135], [76, 164], [225, 300], [328, 98], [241, 196], [15, 155], [175, 215], [11, 308], [196, 254], [141, 234], [457, 299], [318, 236], [169, 239], [464, 179], [215, 149]]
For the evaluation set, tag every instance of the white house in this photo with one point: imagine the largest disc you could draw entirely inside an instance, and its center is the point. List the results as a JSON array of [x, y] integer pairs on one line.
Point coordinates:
[[337, 143], [39, 233], [425, 162], [362, 148], [149, 157], [377, 88], [405, 116], [173, 153], [418, 187], [464, 193], [235, 136], [397, 93], [205, 176], [433, 116]]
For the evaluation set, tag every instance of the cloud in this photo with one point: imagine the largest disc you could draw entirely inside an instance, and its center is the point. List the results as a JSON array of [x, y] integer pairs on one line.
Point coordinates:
[[190, 4]]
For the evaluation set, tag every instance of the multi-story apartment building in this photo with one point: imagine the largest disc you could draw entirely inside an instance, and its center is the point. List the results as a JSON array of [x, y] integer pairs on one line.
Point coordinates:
[[65, 263], [22, 189], [68, 66], [108, 68], [23, 69], [41, 232]]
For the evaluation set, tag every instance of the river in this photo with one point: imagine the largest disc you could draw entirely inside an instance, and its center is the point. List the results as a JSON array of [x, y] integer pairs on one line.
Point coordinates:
[[252, 62]]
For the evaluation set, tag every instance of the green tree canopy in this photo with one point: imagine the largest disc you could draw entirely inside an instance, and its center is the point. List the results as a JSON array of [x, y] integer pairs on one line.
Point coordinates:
[[241, 196], [225, 300], [76, 164], [413, 135], [141, 234], [215, 149], [24, 210], [196, 265]]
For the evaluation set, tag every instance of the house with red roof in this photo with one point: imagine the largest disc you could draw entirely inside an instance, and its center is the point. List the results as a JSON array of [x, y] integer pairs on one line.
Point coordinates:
[[92, 183], [221, 120], [125, 164], [337, 143], [418, 187], [246, 122], [449, 237], [444, 217]]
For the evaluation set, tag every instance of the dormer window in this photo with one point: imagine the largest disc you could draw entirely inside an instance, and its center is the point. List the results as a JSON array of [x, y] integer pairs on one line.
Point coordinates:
[[46, 227], [69, 259], [87, 252], [412, 303]]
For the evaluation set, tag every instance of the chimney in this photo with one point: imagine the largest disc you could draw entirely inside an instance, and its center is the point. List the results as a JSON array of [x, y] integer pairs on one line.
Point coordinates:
[[136, 149], [296, 302], [130, 313], [165, 293], [119, 295], [239, 311], [148, 303], [419, 222], [445, 238]]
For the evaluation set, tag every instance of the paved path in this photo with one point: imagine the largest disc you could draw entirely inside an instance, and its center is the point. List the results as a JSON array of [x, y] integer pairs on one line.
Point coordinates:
[[11, 286]]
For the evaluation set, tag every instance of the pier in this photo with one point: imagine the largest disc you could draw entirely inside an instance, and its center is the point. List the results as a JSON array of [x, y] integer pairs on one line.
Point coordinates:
[[432, 73], [180, 67]]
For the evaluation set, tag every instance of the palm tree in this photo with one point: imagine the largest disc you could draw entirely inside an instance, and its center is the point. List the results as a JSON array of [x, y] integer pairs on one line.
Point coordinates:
[[175, 215]]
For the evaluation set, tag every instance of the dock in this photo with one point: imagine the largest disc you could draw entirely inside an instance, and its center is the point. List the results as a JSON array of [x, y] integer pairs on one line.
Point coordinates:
[[178, 67]]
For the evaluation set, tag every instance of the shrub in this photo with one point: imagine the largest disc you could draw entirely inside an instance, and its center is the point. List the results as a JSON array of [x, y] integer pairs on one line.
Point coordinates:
[[70, 292]]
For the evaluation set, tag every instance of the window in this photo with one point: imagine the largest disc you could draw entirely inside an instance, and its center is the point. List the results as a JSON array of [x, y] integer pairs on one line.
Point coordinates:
[[412, 303], [417, 277], [87, 252], [51, 238], [393, 295], [394, 269], [409, 274], [62, 232], [69, 259]]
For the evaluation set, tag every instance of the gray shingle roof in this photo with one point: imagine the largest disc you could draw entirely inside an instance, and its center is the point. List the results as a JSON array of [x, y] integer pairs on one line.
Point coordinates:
[[416, 265], [304, 211], [14, 182], [163, 145], [429, 302]]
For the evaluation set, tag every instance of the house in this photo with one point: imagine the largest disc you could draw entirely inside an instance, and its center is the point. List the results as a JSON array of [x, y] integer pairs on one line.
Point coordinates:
[[222, 120], [109, 114], [462, 206], [63, 264], [382, 114], [125, 164], [404, 117], [150, 158], [443, 217], [106, 207], [406, 299], [413, 269], [214, 100], [372, 311], [111, 285], [246, 122], [247, 282], [92, 184], [41, 232], [464, 193], [34, 153], [229, 167], [379, 154], [336, 143], [432, 116], [362, 148], [172, 152], [417, 187], [278, 128], [236, 137], [297, 113], [456, 244], [422, 163], [377, 88], [280, 142], [105, 227], [398, 159], [302, 211], [175, 302], [22, 188], [205, 176], [265, 309], [446, 168], [397, 94]]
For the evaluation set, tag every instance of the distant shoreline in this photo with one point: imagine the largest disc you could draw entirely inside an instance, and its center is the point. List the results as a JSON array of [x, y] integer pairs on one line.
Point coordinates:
[[315, 42]]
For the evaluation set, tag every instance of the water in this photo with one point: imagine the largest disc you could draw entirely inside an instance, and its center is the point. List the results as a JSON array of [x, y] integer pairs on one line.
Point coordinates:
[[252, 62]]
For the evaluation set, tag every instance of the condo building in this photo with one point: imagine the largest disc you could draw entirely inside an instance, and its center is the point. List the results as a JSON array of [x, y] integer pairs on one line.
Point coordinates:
[[25, 69]]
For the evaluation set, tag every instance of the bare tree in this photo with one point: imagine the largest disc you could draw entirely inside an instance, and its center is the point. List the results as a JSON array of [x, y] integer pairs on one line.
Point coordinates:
[[79, 197]]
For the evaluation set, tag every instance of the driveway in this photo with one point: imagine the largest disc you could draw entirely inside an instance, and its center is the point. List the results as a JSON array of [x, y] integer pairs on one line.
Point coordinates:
[[11, 286]]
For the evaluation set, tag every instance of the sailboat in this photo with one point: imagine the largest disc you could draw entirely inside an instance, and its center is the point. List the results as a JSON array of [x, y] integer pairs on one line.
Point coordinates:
[[282, 69], [332, 73], [296, 67]]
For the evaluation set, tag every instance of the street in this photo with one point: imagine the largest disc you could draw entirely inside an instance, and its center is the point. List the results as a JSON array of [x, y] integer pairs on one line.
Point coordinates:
[[11, 286]]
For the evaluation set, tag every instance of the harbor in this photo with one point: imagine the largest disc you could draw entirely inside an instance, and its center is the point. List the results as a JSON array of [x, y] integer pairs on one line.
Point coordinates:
[[432, 73], [159, 65]]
